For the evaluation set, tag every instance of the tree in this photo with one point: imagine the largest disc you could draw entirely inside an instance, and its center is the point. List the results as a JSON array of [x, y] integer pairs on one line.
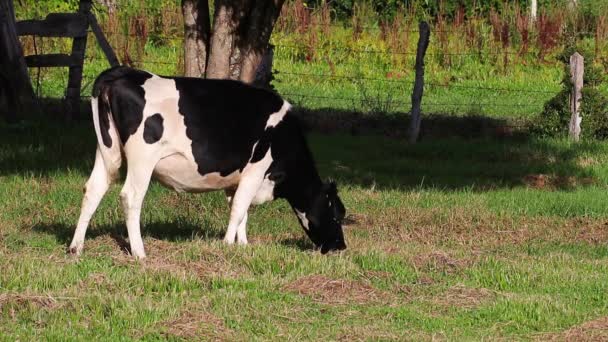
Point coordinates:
[[236, 45], [196, 31], [15, 85]]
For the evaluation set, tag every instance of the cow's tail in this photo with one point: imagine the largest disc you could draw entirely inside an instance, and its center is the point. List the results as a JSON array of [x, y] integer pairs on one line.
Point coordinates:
[[108, 139]]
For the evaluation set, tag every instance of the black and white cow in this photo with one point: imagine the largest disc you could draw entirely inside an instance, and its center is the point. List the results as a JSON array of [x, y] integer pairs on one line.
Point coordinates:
[[196, 135]]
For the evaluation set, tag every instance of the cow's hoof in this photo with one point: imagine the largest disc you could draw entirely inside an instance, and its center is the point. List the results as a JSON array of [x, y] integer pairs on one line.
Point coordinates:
[[75, 250], [229, 241], [138, 255]]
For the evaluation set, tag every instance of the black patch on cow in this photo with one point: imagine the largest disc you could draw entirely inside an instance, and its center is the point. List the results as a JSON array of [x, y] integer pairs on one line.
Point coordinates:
[[153, 128], [123, 87], [293, 164], [224, 119], [261, 148], [103, 108]]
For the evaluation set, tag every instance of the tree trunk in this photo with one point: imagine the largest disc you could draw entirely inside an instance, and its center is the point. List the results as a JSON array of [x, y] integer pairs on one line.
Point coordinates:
[[225, 24], [15, 82], [239, 39], [196, 42], [261, 22]]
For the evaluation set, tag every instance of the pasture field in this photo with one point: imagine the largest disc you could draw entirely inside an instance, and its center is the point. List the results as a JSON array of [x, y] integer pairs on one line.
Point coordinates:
[[455, 239]]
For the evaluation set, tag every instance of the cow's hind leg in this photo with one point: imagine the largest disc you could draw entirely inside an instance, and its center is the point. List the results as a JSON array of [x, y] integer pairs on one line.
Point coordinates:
[[241, 231], [95, 188], [132, 196]]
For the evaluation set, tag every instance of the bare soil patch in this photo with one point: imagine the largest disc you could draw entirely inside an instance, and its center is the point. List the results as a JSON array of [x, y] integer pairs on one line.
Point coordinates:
[[334, 291]]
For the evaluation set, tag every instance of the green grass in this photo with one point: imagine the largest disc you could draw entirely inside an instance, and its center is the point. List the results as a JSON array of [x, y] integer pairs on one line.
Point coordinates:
[[449, 238]]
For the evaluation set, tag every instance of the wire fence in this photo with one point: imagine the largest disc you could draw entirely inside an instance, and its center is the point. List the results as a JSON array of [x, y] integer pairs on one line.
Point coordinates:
[[344, 88]]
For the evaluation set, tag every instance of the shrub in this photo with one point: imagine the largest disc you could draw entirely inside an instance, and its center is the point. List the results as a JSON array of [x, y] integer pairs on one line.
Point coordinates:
[[555, 117], [594, 111]]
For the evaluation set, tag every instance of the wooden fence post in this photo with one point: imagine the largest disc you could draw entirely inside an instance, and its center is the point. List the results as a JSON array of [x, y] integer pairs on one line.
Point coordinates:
[[79, 46], [103, 42], [423, 44], [577, 68]]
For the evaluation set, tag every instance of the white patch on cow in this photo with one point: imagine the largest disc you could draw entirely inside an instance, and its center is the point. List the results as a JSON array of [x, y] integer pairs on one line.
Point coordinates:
[[251, 182], [265, 192], [303, 219], [179, 173], [277, 117], [95, 110], [176, 168]]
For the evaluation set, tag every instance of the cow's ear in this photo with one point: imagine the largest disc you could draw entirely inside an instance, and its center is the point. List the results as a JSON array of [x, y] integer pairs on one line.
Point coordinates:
[[277, 177], [331, 188]]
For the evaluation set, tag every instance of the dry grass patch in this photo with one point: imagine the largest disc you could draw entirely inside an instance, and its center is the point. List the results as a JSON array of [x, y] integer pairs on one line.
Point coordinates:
[[196, 323], [555, 182], [595, 330], [335, 291], [13, 303], [368, 333], [106, 245], [470, 228], [167, 257], [95, 281], [464, 297], [586, 161], [439, 261]]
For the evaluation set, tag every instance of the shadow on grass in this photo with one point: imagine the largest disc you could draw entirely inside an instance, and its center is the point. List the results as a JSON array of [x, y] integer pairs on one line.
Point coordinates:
[[474, 153], [161, 231], [300, 243], [167, 231]]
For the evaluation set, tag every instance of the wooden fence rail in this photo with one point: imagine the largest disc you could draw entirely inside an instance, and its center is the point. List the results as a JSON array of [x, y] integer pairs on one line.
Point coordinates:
[[68, 25]]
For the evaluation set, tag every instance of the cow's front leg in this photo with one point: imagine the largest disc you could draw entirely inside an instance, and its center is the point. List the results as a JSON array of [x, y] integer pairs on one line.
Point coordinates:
[[241, 231], [240, 203], [132, 197]]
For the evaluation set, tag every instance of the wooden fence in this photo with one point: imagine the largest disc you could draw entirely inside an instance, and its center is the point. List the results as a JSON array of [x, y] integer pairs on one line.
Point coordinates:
[[68, 25]]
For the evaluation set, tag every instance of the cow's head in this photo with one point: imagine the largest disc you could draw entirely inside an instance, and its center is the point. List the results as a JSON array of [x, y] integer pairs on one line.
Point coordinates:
[[323, 222]]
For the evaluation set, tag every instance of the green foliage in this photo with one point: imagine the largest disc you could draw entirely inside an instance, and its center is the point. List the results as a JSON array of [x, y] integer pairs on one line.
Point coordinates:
[[34, 9], [343, 9], [554, 119], [594, 111]]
